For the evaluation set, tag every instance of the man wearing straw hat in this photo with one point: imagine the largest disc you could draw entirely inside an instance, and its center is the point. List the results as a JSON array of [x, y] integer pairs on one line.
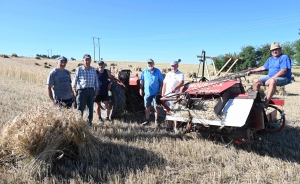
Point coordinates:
[[279, 72]]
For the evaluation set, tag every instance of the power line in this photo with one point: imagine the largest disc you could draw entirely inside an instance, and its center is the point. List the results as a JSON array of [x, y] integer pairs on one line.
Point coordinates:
[[243, 26]]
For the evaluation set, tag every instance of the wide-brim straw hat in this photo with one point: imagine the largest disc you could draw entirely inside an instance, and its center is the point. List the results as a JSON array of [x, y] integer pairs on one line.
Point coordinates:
[[274, 45]]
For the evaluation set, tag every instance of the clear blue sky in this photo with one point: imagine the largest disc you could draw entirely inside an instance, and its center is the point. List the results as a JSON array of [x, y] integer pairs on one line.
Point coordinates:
[[135, 30]]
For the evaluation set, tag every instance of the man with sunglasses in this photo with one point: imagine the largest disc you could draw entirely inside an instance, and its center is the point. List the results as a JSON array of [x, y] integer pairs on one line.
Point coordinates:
[[279, 72]]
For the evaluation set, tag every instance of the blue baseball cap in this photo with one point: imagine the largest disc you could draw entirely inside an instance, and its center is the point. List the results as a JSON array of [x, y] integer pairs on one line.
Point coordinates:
[[100, 62], [62, 58]]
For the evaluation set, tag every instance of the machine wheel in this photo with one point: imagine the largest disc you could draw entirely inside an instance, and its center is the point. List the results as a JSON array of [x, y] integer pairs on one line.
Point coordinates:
[[276, 125], [117, 100]]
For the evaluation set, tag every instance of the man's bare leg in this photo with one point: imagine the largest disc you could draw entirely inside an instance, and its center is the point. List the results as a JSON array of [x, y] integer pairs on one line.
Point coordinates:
[[271, 83]]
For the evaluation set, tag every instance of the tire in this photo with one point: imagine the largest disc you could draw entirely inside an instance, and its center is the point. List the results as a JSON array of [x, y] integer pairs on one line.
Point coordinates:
[[117, 100]]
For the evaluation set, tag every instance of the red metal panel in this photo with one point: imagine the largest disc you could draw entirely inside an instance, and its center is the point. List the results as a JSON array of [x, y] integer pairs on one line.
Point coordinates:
[[277, 102], [210, 87]]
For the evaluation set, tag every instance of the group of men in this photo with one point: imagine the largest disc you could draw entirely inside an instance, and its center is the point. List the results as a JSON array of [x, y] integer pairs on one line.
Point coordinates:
[[91, 85]]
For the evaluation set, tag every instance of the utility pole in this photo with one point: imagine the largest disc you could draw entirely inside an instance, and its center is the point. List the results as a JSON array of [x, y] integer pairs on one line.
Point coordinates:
[[97, 46], [94, 46], [50, 52]]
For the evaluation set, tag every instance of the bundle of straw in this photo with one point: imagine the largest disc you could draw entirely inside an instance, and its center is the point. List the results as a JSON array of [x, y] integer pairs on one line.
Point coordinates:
[[52, 139]]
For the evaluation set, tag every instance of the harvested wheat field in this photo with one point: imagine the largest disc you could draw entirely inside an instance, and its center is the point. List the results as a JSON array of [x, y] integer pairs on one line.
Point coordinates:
[[43, 144]]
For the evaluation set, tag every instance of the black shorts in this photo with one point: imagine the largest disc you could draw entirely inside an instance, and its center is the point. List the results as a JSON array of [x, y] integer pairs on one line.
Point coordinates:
[[101, 98]]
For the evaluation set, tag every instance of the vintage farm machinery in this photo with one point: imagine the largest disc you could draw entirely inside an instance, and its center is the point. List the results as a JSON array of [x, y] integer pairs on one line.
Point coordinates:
[[125, 94], [221, 109]]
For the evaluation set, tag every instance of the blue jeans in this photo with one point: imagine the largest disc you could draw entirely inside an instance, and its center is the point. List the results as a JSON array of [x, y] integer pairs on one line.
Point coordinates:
[[148, 99], [85, 97], [280, 81]]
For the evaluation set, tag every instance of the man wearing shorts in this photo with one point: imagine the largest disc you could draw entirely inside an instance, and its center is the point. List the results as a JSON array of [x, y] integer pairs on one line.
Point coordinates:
[[104, 85], [172, 83], [279, 72], [151, 82]]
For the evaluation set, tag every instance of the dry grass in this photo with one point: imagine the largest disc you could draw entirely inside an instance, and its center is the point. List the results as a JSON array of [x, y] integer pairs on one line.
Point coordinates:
[[125, 152]]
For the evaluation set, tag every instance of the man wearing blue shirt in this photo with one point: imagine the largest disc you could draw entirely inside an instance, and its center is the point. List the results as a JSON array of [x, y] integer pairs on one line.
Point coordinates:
[[279, 72], [151, 82]]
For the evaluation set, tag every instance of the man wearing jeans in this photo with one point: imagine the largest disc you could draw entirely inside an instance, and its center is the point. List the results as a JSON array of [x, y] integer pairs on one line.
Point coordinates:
[[85, 85], [151, 82], [279, 72]]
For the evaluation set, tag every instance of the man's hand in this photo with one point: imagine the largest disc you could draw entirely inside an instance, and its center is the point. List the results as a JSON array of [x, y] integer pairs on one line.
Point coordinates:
[[248, 73], [141, 92], [173, 90]]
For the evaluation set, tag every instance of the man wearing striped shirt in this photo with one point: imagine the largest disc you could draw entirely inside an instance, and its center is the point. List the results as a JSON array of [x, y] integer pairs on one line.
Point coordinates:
[[85, 85]]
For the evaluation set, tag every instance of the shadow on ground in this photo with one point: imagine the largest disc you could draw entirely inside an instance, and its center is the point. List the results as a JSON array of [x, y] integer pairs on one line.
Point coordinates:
[[284, 145], [116, 161]]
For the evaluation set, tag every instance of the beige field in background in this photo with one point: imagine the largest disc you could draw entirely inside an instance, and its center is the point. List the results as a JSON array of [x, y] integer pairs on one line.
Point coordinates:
[[150, 155]]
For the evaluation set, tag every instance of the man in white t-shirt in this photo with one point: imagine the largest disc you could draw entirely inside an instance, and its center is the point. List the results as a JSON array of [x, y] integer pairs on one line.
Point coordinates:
[[172, 83]]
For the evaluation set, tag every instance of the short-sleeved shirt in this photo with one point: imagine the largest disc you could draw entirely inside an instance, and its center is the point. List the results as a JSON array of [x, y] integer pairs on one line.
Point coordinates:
[[274, 65], [152, 81], [172, 79], [60, 81], [85, 78], [103, 82]]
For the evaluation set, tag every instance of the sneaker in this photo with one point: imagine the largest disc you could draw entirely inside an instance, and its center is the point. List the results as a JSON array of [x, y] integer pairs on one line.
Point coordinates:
[[176, 131], [100, 120], [145, 122]]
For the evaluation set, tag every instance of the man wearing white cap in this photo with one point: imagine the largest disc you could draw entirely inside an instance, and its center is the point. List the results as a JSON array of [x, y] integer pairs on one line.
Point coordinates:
[[279, 72], [172, 83]]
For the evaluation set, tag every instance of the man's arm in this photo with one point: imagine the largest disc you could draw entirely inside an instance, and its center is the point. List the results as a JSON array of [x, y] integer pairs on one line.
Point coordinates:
[[163, 91], [261, 68], [49, 91], [178, 86], [160, 87], [281, 72], [75, 80], [141, 87]]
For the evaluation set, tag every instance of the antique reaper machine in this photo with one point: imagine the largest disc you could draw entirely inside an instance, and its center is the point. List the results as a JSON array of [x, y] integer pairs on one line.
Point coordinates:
[[222, 109]]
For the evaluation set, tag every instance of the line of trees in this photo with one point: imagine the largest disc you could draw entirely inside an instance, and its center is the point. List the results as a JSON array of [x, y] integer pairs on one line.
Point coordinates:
[[52, 57], [257, 56]]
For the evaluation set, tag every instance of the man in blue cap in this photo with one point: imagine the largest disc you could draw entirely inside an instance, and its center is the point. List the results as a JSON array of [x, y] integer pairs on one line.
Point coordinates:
[[85, 86], [103, 86], [59, 84], [151, 82]]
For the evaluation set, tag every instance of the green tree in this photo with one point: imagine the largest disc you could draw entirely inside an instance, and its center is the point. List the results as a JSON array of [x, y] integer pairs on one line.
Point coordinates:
[[249, 58], [288, 49], [296, 46], [263, 53]]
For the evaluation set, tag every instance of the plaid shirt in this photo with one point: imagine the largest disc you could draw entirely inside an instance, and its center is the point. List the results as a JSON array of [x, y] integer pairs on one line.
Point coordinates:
[[85, 78]]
